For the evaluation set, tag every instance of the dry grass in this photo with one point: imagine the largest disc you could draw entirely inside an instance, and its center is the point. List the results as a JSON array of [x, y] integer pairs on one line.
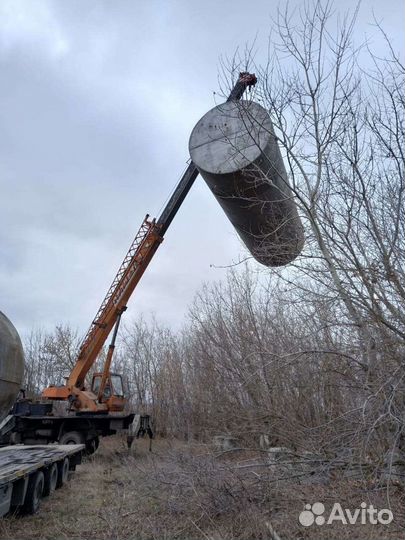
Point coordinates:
[[183, 491]]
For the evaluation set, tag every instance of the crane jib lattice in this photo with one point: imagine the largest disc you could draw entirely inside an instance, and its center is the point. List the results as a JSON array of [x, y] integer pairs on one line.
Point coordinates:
[[130, 264]]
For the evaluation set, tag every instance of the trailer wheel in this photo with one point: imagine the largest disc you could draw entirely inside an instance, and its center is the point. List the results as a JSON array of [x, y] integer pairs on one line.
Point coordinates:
[[34, 493], [51, 479], [63, 472], [72, 437]]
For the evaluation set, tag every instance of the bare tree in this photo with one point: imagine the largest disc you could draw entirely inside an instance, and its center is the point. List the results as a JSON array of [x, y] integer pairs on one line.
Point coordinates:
[[49, 357]]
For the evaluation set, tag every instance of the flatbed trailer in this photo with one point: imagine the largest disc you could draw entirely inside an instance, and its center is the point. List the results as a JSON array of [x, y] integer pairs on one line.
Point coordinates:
[[27, 473]]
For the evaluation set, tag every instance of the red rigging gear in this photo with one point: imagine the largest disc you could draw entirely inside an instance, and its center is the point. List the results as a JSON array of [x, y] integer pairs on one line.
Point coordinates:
[[105, 394]]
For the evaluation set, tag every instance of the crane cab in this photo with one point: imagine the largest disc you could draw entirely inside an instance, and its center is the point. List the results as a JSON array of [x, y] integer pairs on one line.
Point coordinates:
[[113, 394]]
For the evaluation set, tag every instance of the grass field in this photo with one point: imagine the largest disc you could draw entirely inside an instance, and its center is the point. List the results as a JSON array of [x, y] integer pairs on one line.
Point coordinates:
[[188, 491]]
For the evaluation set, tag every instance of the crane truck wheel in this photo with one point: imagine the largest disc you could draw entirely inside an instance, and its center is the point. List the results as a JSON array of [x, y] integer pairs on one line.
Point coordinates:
[[34, 493], [51, 479], [72, 437], [63, 472]]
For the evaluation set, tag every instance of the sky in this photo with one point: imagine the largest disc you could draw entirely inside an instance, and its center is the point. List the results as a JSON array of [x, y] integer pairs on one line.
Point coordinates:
[[97, 103]]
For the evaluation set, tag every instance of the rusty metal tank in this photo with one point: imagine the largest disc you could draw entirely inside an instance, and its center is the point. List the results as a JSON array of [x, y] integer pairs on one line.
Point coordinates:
[[236, 152], [11, 364]]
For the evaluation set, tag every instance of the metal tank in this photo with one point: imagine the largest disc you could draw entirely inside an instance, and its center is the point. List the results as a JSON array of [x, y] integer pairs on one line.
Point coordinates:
[[11, 365], [235, 150]]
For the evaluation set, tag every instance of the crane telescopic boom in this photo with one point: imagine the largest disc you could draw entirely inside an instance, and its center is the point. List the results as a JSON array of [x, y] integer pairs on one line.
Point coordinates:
[[140, 253]]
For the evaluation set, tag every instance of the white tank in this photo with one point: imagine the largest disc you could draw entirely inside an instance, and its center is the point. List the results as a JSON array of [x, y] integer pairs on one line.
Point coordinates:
[[11, 365]]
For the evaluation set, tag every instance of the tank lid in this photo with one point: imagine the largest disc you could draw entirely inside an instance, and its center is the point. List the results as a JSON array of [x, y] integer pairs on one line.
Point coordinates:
[[230, 137]]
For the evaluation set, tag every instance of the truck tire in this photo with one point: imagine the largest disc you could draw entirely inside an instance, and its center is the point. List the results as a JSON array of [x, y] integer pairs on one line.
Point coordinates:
[[63, 472], [51, 479], [34, 493], [72, 437]]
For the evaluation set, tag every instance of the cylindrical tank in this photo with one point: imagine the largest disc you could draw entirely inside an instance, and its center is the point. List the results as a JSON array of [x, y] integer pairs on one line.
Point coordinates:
[[236, 152], [11, 365]]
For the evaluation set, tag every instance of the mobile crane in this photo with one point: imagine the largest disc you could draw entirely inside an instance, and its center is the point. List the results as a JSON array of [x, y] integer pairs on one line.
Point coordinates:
[[106, 393], [95, 411]]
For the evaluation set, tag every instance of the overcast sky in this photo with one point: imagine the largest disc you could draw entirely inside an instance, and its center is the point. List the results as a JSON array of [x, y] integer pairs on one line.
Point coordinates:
[[97, 102]]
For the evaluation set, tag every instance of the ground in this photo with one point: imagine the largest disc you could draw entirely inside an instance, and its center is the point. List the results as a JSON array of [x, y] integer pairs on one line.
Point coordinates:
[[182, 491]]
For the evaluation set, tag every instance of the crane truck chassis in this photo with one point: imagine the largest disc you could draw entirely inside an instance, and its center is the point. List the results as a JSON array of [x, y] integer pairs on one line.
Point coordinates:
[[34, 423]]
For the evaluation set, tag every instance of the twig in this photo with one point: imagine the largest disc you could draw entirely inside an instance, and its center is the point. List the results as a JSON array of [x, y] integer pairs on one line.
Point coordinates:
[[272, 532]]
